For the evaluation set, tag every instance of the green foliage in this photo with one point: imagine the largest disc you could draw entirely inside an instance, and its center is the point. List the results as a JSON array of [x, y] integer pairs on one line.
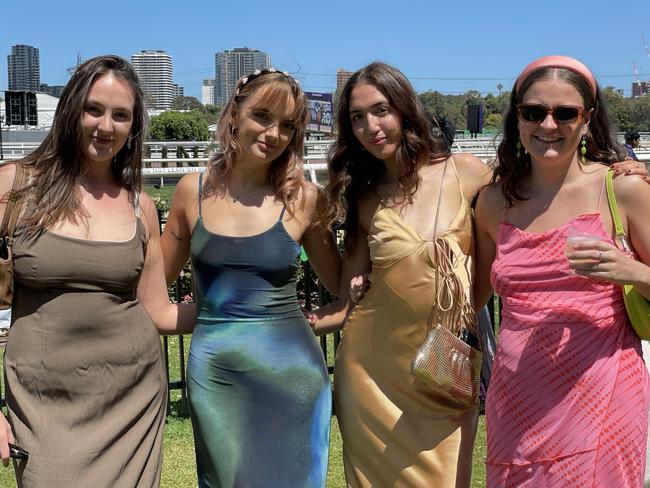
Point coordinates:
[[186, 103], [179, 126]]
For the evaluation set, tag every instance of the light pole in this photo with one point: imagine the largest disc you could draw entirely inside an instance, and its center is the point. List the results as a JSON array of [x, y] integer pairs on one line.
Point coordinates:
[[2, 120]]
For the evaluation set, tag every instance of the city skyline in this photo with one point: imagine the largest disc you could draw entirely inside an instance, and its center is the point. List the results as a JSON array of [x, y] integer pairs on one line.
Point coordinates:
[[451, 48]]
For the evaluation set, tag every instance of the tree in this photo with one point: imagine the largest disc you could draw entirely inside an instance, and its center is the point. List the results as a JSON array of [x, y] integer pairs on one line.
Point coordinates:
[[211, 114], [187, 103], [179, 126]]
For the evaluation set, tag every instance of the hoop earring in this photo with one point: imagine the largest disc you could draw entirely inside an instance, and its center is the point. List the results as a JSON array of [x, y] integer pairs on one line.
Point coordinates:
[[583, 149]]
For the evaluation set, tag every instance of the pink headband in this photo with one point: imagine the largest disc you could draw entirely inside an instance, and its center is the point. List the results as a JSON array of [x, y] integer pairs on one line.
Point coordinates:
[[558, 62]]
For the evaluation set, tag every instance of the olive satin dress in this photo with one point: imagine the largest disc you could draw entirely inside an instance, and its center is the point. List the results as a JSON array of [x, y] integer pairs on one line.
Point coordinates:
[[395, 431], [86, 384]]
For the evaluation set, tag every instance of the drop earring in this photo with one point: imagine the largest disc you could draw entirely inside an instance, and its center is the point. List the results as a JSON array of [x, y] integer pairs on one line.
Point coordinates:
[[128, 143], [583, 149], [518, 149]]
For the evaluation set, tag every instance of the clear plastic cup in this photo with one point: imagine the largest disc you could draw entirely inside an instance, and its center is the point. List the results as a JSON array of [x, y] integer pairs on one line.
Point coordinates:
[[574, 236]]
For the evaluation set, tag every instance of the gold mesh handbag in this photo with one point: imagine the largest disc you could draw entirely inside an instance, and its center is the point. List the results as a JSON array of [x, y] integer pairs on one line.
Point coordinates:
[[446, 362]]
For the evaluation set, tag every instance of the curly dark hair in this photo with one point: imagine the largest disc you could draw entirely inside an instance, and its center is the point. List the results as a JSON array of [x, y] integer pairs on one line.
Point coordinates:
[[510, 170], [353, 171]]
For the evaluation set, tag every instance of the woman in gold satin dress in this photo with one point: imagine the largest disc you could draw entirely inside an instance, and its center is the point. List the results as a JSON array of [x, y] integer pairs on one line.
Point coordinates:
[[408, 208]]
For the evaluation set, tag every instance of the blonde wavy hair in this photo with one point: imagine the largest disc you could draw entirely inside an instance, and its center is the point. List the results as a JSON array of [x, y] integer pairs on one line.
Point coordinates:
[[271, 91]]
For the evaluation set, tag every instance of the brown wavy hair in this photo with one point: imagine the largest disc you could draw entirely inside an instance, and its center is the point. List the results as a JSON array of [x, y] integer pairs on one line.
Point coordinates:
[[510, 170], [57, 164], [353, 171], [271, 90]]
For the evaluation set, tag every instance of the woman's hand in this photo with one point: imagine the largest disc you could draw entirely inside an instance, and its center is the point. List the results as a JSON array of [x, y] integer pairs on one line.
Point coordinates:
[[359, 286], [603, 261], [631, 167], [6, 437]]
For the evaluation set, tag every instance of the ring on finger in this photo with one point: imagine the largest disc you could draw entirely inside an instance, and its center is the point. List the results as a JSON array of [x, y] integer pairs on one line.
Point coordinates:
[[599, 258]]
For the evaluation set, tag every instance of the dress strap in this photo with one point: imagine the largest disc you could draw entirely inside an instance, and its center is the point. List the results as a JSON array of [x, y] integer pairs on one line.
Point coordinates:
[[442, 181], [460, 187], [602, 191], [282, 213], [200, 196]]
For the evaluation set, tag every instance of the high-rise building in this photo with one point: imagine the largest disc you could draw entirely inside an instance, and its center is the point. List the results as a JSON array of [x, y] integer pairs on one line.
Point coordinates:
[[207, 92], [24, 68], [231, 65], [342, 76], [155, 71], [179, 91], [640, 88]]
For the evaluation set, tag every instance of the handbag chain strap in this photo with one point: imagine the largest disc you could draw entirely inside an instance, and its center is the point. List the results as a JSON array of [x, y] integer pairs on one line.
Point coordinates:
[[13, 207], [451, 307]]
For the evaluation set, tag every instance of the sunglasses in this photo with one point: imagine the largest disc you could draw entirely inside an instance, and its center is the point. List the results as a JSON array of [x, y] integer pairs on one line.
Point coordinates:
[[562, 114]]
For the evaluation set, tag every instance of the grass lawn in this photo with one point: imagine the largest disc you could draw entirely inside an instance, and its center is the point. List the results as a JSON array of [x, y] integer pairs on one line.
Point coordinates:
[[179, 469]]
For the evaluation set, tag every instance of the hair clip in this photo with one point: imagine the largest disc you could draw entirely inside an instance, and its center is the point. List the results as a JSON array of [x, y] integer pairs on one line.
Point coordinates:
[[256, 74]]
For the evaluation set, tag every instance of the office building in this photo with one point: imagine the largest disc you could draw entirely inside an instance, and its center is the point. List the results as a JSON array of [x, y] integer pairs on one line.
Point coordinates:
[[640, 88], [207, 92], [342, 76], [232, 65], [24, 69], [155, 71]]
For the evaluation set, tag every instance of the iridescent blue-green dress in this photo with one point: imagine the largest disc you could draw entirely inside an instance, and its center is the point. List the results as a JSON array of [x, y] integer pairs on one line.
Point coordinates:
[[259, 393]]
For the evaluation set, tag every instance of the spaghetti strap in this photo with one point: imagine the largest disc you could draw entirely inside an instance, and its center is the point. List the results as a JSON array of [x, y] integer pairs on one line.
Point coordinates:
[[602, 190], [282, 213], [460, 187], [200, 191]]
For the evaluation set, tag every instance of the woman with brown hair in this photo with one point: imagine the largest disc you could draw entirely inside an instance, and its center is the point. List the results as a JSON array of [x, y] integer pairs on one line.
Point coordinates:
[[568, 397], [258, 387], [408, 223], [83, 362]]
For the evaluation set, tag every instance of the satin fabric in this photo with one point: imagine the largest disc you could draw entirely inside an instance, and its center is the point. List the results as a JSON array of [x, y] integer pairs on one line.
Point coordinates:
[[395, 431]]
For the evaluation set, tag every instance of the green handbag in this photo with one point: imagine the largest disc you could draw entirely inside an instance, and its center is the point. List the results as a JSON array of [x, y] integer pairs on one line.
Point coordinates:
[[638, 307]]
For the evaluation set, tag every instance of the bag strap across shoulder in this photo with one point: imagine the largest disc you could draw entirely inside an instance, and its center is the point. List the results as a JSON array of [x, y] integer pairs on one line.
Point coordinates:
[[13, 205], [613, 208]]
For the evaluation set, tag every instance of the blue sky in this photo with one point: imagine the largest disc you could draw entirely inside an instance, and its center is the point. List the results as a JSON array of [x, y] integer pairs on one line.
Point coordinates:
[[450, 46]]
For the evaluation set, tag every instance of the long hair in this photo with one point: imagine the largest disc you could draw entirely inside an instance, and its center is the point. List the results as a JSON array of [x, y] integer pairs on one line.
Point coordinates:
[[601, 147], [271, 90], [57, 164], [353, 171]]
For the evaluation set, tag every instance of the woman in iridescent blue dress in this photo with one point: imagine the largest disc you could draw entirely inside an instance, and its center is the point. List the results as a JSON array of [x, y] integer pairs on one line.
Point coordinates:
[[258, 387]]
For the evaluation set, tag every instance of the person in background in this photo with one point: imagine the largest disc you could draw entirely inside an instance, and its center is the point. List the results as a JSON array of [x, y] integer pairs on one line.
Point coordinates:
[[259, 392], [568, 397], [632, 139], [85, 379]]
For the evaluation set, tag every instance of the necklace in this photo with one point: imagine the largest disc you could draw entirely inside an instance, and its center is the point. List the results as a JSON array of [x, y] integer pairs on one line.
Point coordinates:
[[237, 198]]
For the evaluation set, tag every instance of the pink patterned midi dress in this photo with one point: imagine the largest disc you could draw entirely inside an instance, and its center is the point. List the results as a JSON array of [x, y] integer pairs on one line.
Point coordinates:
[[568, 399]]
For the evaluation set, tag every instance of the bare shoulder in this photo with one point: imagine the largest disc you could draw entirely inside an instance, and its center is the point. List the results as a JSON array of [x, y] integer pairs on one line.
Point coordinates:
[[632, 191], [474, 174], [490, 205], [188, 186], [7, 173]]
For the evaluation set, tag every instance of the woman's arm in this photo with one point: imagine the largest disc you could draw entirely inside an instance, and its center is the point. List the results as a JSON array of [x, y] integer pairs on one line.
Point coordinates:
[[152, 289], [604, 261], [177, 234], [355, 263], [320, 245], [487, 214]]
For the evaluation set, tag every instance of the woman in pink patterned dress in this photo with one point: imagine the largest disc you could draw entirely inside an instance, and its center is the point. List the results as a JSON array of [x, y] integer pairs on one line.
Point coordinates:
[[567, 405]]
